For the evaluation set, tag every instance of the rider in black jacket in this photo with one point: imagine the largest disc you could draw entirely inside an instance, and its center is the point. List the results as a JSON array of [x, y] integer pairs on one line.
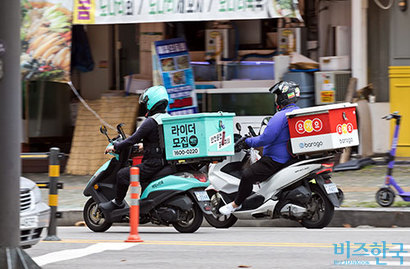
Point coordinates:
[[156, 100]]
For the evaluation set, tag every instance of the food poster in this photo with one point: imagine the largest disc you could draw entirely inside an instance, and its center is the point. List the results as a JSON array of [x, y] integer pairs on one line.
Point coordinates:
[[46, 40], [284, 8], [173, 60]]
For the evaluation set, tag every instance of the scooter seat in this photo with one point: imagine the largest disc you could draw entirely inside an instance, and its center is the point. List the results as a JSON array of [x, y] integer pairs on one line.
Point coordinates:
[[167, 170]]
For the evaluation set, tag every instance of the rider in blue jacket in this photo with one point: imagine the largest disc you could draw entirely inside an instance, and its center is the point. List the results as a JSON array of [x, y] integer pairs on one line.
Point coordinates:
[[274, 141]]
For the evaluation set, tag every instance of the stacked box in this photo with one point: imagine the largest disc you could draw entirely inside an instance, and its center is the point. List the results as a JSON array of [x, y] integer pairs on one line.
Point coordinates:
[[323, 128], [203, 136]]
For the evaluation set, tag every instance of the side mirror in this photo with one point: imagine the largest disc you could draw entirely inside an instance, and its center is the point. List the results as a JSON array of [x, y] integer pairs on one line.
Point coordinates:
[[265, 121], [120, 130], [252, 131], [238, 127], [103, 129]]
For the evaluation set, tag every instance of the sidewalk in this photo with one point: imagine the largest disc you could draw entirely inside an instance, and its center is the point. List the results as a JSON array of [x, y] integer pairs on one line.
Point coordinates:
[[359, 206]]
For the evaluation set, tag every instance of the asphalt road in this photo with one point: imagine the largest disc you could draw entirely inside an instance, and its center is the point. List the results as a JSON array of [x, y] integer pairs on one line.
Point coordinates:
[[238, 247]]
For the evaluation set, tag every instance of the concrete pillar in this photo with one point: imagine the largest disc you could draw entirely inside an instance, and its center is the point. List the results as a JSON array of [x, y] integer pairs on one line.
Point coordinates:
[[11, 255], [359, 41]]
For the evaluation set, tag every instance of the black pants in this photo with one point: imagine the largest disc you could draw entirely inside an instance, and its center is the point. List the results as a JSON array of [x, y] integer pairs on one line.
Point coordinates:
[[147, 170], [261, 170]]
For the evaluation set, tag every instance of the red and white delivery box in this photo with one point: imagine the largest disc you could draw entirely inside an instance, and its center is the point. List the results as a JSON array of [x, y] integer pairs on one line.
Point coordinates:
[[323, 128]]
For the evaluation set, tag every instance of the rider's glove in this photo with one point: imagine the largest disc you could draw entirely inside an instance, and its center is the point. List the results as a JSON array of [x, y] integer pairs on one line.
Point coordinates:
[[241, 144]]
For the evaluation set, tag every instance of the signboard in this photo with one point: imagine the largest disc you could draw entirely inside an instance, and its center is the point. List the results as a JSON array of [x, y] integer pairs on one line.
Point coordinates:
[[201, 135], [171, 58], [138, 11], [46, 40]]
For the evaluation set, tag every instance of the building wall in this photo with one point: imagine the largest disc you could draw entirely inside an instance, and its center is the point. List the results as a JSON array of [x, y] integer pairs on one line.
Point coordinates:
[[379, 50], [399, 36], [332, 13], [94, 83]]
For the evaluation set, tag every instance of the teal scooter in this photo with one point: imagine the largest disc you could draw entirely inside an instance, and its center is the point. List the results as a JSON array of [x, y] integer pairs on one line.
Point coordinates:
[[176, 195]]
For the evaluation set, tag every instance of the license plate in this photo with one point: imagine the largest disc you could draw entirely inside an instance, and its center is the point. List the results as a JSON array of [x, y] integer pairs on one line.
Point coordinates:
[[29, 222], [202, 196], [331, 188]]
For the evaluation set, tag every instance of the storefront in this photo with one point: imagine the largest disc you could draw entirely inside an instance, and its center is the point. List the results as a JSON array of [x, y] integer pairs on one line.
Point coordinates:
[[120, 34]]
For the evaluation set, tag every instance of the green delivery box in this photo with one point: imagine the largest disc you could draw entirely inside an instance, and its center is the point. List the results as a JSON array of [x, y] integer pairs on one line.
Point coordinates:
[[203, 135]]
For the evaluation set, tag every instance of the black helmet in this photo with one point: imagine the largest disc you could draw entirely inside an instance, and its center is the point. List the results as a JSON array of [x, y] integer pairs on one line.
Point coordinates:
[[287, 92]]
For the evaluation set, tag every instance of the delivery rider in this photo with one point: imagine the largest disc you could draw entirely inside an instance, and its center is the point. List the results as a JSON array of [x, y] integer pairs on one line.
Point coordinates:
[[156, 101], [274, 141]]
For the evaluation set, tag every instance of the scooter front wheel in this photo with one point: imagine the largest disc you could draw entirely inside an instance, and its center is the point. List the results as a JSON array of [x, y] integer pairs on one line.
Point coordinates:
[[385, 197], [94, 218], [216, 219]]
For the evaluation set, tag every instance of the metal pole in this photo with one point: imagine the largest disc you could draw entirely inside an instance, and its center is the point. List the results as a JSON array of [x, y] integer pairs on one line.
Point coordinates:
[[11, 255], [54, 174]]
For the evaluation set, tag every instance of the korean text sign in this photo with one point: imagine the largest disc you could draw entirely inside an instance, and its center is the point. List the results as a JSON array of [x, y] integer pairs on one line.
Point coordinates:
[[137, 11]]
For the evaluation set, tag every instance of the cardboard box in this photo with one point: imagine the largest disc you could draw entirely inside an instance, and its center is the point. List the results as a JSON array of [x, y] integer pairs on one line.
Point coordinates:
[[202, 135], [333, 63], [133, 84], [323, 128]]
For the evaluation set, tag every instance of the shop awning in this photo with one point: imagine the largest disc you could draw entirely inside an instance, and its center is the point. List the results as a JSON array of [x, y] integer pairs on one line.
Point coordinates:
[[140, 11]]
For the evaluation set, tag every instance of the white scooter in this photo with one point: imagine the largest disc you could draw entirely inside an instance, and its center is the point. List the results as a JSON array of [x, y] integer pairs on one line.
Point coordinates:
[[302, 191]]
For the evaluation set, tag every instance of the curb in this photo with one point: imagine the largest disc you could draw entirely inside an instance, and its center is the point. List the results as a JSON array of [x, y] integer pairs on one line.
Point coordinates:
[[343, 217]]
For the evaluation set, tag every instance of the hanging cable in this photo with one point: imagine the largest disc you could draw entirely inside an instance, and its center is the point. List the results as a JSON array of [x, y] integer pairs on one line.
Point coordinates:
[[384, 7], [88, 107]]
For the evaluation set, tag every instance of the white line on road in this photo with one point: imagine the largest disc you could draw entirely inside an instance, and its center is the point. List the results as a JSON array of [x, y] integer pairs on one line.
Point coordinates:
[[80, 252], [389, 263], [398, 247]]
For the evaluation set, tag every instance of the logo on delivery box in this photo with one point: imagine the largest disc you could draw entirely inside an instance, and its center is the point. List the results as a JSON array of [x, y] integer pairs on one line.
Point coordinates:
[[344, 128], [308, 126]]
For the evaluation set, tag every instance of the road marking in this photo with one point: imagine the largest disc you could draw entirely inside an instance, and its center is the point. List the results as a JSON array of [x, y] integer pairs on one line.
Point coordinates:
[[404, 247], [70, 254], [200, 243], [389, 263], [207, 243]]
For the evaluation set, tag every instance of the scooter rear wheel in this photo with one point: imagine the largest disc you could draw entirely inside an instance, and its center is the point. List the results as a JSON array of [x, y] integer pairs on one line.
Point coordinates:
[[385, 197], [192, 222], [94, 218], [321, 208]]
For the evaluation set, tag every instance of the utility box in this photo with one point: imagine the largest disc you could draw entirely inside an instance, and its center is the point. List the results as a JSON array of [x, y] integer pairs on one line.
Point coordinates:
[[331, 86], [323, 128], [198, 137], [219, 43]]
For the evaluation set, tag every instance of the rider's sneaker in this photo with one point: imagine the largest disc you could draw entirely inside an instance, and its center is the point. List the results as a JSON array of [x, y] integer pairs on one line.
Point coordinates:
[[111, 205], [228, 209]]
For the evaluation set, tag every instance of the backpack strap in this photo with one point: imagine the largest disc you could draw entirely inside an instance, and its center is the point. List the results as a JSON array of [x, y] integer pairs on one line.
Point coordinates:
[[289, 149], [159, 116]]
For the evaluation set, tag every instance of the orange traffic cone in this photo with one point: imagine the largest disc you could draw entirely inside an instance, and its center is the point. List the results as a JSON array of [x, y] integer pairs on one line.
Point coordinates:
[[135, 205]]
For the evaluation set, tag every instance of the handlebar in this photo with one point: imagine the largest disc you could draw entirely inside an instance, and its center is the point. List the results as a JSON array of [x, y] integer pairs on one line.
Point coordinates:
[[394, 115]]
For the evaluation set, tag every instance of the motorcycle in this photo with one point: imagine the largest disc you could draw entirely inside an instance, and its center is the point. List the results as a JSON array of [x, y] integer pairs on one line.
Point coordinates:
[[302, 191], [174, 197]]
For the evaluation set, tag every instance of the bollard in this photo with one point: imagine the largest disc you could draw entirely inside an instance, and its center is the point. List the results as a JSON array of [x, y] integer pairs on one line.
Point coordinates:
[[135, 205], [54, 174]]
